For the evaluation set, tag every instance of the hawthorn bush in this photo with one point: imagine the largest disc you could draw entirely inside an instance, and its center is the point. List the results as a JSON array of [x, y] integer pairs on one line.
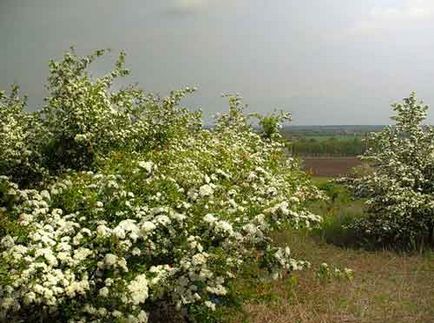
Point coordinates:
[[400, 187], [115, 204], [20, 136]]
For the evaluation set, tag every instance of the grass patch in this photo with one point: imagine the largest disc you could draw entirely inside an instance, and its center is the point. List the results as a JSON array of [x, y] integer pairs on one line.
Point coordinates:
[[337, 211], [387, 286]]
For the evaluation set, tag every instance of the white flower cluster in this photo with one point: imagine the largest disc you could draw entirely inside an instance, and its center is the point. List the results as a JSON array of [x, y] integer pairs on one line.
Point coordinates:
[[169, 212], [19, 133]]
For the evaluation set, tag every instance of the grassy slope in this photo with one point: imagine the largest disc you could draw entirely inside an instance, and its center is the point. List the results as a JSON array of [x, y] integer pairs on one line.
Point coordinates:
[[387, 287]]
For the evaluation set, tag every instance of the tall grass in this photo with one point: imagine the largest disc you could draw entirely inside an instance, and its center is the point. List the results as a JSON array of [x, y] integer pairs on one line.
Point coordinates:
[[339, 210]]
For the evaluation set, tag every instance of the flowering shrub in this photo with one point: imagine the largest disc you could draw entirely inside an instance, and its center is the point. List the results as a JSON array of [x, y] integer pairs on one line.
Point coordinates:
[[19, 139], [400, 188], [85, 117], [139, 205]]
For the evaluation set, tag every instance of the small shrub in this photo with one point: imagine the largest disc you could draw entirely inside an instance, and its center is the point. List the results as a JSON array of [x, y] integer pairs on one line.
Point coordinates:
[[400, 184], [327, 273]]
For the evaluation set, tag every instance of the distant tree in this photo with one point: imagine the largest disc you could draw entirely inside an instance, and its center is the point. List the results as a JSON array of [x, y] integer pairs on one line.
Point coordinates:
[[272, 123]]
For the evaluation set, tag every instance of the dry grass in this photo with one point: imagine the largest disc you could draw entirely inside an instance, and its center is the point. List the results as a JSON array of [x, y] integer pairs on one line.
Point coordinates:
[[387, 287]]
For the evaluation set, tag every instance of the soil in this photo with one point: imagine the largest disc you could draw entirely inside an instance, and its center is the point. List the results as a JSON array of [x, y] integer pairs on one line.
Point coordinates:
[[330, 166]]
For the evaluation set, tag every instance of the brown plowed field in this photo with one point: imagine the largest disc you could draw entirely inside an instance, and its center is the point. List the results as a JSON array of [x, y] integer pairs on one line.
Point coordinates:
[[329, 166]]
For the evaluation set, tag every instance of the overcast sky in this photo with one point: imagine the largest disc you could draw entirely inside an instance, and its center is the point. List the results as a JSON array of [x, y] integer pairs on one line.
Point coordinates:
[[325, 61]]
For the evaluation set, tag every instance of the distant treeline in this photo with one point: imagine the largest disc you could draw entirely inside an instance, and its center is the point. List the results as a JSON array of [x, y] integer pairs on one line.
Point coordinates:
[[329, 131], [332, 146], [318, 141]]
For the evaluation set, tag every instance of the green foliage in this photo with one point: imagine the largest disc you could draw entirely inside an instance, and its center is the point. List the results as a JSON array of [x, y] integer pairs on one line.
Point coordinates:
[[272, 123], [331, 146], [339, 210]]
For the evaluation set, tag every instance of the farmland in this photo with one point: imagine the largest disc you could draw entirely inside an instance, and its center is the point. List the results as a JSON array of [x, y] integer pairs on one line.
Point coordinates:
[[330, 166], [328, 150], [328, 141]]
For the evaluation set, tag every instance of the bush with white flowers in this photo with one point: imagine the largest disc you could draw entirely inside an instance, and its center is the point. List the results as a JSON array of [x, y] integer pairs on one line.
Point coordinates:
[[400, 188], [136, 204], [20, 135]]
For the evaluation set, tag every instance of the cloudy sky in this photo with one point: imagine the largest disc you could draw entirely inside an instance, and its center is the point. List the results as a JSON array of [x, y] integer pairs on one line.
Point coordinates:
[[325, 61]]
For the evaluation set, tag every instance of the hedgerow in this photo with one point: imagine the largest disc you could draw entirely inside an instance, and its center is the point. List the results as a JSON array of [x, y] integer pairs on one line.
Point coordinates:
[[114, 202]]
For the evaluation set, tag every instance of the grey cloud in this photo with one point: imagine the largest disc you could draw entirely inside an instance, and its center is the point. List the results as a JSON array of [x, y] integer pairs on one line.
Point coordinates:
[[307, 57]]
